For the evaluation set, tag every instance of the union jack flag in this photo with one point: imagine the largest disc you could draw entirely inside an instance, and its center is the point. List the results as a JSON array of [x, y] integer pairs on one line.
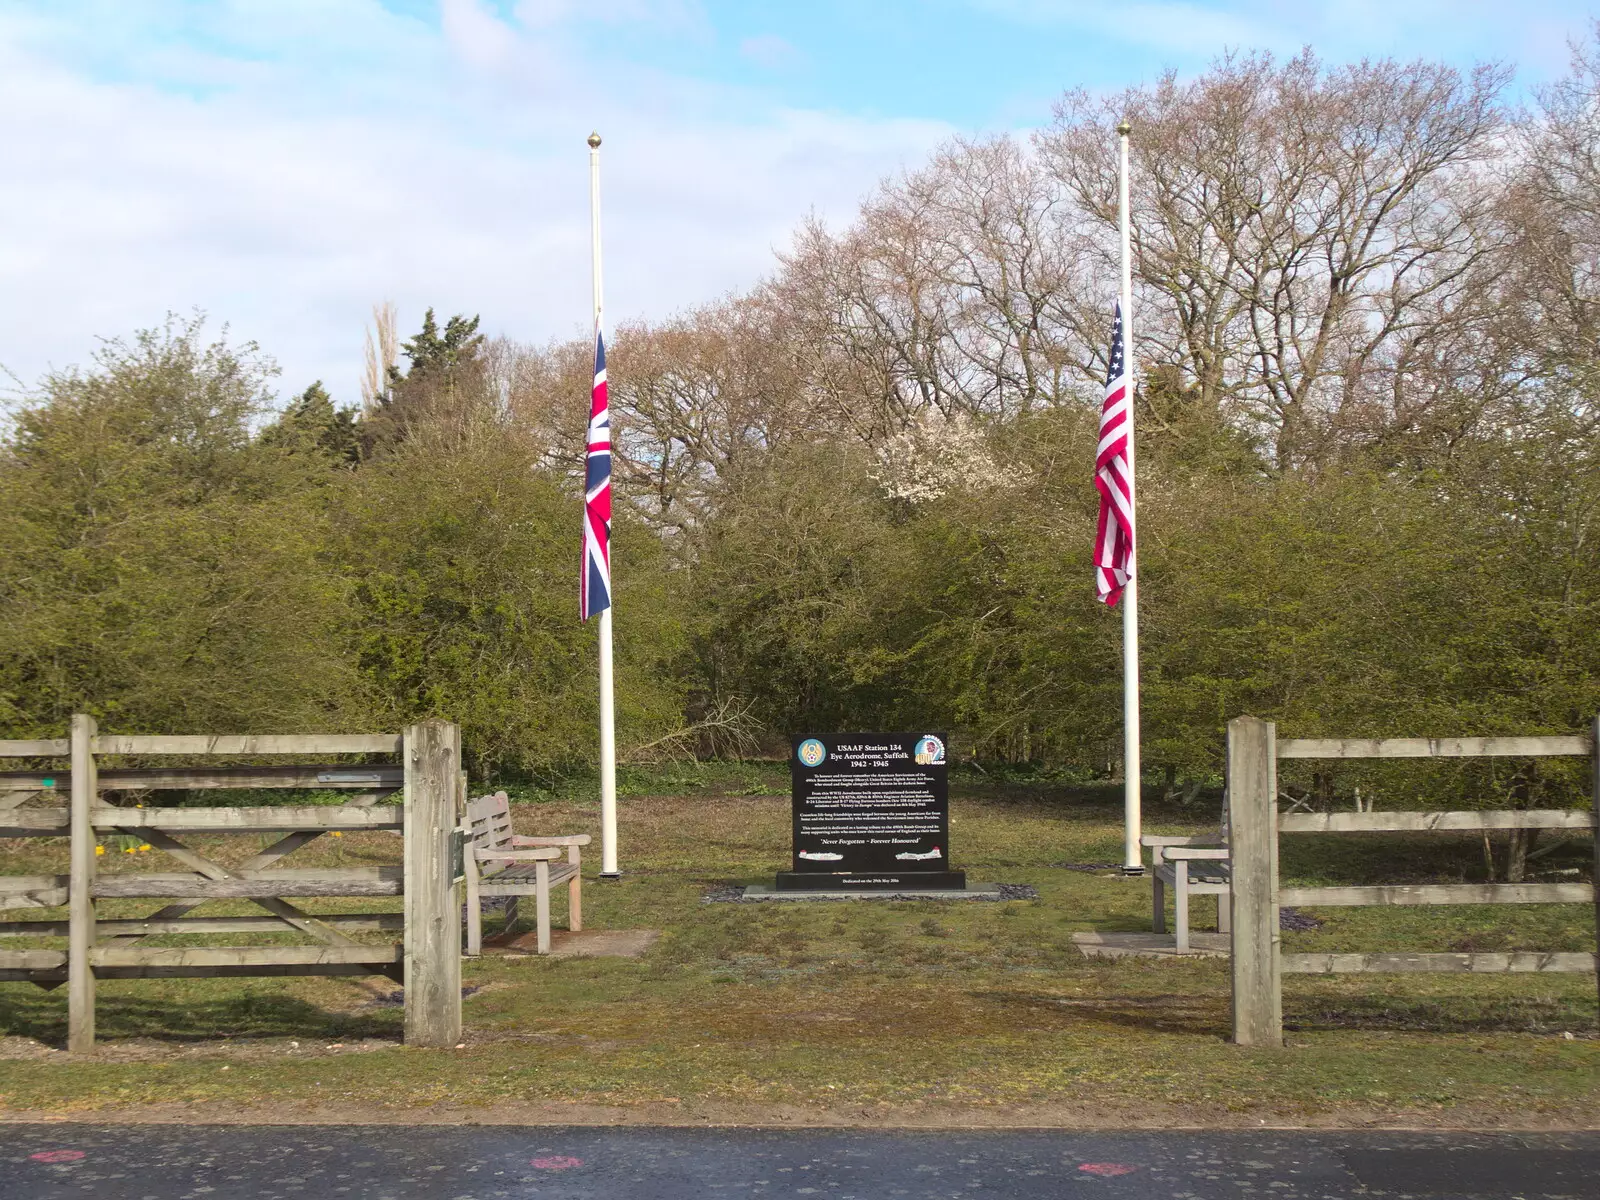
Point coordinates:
[[594, 585], [1113, 477]]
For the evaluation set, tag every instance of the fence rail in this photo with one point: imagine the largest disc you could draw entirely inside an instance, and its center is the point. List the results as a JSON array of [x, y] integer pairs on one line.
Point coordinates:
[[142, 926], [1437, 893], [318, 777], [1516, 962], [205, 743], [37, 822], [34, 747], [249, 744], [345, 881], [1258, 963], [1483, 747], [1434, 822]]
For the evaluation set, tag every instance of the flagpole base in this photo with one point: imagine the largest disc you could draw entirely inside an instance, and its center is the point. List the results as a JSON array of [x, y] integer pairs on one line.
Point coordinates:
[[610, 874], [1133, 872]]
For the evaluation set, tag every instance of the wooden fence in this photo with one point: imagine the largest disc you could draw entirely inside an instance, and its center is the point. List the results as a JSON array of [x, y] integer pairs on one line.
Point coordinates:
[[1255, 824], [426, 960]]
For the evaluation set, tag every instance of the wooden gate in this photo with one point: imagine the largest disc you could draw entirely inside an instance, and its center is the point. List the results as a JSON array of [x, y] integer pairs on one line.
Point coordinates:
[[426, 960]]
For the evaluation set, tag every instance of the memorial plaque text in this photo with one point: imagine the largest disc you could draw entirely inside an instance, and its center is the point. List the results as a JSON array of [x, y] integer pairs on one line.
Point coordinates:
[[871, 813]]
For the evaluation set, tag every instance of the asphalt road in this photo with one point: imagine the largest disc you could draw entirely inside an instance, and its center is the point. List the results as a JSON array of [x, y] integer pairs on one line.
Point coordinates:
[[187, 1162]]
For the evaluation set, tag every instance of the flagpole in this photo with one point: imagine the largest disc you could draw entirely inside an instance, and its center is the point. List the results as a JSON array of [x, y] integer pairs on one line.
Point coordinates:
[[608, 724], [1132, 860]]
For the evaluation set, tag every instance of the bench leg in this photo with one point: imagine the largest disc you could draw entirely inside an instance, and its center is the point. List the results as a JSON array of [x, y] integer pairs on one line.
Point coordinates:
[[511, 914], [1225, 912], [541, 899], [1180, 904], [474, 910], [575, 904], [1159, 892]]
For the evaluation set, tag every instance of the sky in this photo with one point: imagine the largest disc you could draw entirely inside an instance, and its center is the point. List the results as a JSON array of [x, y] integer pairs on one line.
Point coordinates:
[[284, 165]]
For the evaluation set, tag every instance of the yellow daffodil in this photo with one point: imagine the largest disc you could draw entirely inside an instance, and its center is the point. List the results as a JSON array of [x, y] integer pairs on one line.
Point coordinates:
[[144, 847], [99, 849]]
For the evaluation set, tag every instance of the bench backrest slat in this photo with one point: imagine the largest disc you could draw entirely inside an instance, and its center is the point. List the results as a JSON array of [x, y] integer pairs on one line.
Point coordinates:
[[489, 821]]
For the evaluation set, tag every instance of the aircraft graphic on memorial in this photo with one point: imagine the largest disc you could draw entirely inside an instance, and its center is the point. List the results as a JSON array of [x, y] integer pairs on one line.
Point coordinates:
[[934, 853], [822, 855]]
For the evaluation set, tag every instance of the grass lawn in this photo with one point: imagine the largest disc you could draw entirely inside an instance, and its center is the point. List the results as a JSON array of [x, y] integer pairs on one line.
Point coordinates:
[[865, 1011]]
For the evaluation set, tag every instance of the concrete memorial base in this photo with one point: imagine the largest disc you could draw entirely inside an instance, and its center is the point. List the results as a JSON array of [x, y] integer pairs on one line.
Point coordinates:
[[869, 881], [1150, 945], [971, 891]]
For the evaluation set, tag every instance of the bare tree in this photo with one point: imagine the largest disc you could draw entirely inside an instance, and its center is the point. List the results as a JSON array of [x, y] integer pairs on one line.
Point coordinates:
[[1302, 234], [698, 396], [383, 355], [1560, 211], [944, 296]]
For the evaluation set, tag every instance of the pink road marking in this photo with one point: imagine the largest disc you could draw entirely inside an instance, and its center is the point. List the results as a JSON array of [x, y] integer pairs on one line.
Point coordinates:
[[55, 1156], [1108, 1168], [556, 1162]]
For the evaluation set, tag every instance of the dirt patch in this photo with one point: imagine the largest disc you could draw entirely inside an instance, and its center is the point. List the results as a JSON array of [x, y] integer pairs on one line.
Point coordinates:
[[23, 1048], [154, 1050], [589, 943], [1057, 1115], [396, 997]]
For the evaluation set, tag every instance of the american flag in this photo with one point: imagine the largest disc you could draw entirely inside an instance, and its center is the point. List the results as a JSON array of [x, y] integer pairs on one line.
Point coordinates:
[[594, 586], [1113, 478]]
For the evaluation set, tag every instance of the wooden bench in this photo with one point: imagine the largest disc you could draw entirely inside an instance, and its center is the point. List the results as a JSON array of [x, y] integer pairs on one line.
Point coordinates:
[[499, 862], [1170, 859]]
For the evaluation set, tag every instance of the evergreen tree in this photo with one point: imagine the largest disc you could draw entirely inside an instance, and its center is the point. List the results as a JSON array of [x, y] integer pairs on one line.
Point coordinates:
[[311, 422], [445, 375], [433, 353]]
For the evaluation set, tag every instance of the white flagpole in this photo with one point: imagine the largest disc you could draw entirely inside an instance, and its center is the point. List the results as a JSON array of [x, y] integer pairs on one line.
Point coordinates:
[[1132, 861], [608, 719]]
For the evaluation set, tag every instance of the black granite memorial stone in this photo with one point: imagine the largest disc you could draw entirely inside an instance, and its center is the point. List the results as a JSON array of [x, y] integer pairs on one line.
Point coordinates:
[[871, 813]]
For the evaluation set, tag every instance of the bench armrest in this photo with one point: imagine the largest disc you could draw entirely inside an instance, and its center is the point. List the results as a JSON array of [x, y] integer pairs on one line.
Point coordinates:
[[1162, 839], [1198, 852], [575, 839], [490, 854]]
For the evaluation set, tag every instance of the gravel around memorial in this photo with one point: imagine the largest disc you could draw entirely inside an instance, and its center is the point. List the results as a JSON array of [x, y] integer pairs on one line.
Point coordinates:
[[734, 893], [1092, 868], [1293, 918]]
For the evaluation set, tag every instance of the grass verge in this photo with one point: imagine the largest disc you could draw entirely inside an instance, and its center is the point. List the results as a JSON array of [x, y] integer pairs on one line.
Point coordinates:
[[875, 1012]]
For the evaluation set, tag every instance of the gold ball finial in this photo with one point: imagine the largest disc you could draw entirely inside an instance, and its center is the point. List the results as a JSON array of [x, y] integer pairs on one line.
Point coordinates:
[[594, 141], [1124, 129]]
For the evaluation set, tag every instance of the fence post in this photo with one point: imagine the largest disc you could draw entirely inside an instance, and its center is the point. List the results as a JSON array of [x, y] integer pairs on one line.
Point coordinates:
[[80, 897], [1594, 805], [1253, 827], [433, 913]]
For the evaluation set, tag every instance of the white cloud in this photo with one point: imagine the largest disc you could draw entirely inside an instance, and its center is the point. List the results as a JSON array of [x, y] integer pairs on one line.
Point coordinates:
[[475, 33], [285, 176], [771, 52], [542, 14], [679, 15], [1182, 28], [1192, 32]]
